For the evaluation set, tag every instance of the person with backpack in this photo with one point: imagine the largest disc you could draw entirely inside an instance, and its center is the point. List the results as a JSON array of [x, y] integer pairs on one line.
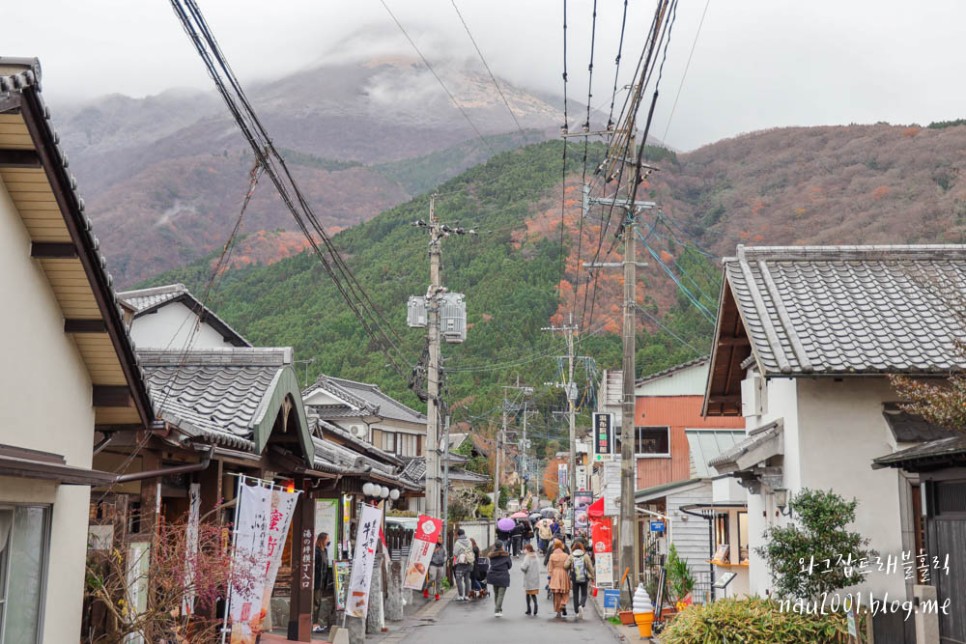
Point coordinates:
[[531, 577], [463, 560], [581, 574], [499, 575]]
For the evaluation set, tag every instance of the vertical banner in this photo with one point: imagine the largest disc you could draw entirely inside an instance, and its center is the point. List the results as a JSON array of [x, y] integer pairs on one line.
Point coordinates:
[[612, 487], [346, 522], [563, 484], [327, 521], [138, 567], [262, 524], [340, 570], [367, 536], [427, 533], [191, 546], [582, 501], [602, 537]]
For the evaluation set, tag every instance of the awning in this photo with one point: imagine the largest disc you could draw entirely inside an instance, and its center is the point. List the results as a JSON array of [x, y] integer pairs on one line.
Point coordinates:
[[762, 443], [596, 509], [660, 491], [946, 452], [32, 464]]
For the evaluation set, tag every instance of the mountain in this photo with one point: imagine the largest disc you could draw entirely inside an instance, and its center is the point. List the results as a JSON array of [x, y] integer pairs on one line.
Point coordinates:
[[843, 185], [165, 176]]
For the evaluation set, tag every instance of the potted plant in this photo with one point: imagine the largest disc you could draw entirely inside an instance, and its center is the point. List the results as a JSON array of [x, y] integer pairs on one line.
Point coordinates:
[[680, 582]]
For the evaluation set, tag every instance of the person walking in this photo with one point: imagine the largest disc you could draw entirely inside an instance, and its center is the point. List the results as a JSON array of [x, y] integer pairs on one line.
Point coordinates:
[[516, 539], [559, 579], [437, 570], [463, 560], [581, 574], [499, 575], [531, 577], [321, 579], [544, 535]]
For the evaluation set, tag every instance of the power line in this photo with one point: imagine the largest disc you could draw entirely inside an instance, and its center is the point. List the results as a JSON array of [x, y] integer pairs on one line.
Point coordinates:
[[370, 318], [436, 76], [488, 71], [686, 68]]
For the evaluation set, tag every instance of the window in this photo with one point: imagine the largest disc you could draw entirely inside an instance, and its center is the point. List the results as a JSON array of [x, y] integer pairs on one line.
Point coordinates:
[[24, 534], [652, 441], [389, 442], [408, 445]]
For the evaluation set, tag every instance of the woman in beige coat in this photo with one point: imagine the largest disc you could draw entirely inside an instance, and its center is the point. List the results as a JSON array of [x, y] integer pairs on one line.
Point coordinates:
[[559, 577]]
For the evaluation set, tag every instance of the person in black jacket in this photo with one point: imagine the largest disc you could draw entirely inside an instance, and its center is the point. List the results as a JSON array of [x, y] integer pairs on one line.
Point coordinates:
[[516, 539], [499, 575]]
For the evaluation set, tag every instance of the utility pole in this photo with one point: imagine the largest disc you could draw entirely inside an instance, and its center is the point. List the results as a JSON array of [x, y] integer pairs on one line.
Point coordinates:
[[629, 539], [571, 388], [432, 377], [434, 299], [524, 461], [498, 453]]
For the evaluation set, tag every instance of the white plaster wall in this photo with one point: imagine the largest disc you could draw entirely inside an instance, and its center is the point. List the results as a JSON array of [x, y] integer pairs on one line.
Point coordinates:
[[686, 382], [781, 402], [42, 366], [170, 327], [842, 431]]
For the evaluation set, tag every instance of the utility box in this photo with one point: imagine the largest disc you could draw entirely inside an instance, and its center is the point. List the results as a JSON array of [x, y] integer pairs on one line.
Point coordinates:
[[452, 317], [416, 315]]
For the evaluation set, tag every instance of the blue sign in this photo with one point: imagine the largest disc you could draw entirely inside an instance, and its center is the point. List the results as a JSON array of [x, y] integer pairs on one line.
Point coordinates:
[[612, 598], [657, 526]]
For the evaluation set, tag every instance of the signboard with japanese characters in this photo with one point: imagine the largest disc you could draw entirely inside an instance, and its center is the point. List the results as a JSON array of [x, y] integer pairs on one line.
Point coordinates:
[[602, 538], [262, 522], [612, 488], [603, 433], [367, 536], [428, 530]]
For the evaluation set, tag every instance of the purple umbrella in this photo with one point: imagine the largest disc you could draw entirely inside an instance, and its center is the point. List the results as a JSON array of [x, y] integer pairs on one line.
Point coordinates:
[[506, 524]]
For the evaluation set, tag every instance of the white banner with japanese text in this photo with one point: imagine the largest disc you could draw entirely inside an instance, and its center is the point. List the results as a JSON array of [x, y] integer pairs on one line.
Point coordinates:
[[367, 537], [425, 537], [263, 518]]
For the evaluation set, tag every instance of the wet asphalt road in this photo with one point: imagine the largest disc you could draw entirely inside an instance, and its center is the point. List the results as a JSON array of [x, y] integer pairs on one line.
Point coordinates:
[[473, 622]]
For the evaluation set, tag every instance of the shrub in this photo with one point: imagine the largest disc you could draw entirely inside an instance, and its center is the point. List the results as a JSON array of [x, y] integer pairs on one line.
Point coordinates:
[[752, 621], [819, 534]]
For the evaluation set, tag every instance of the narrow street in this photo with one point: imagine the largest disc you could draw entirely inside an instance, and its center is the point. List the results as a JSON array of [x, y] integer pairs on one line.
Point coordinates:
[[473, 622]]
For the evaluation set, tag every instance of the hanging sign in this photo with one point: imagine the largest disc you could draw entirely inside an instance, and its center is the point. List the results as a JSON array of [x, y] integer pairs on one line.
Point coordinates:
[[367, 537], [427, 533], [603, 433]]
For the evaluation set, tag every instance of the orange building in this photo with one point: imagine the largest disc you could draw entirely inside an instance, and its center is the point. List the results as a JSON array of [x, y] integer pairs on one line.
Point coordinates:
[[667, 409]]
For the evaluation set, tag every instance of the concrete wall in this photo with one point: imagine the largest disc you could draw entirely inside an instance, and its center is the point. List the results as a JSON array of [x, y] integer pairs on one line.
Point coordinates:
[[832, 432], [42, 365], [170, 327], [842, 431]]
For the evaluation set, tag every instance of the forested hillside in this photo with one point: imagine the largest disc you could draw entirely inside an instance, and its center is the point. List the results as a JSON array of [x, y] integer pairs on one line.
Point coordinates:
[[512, 272]]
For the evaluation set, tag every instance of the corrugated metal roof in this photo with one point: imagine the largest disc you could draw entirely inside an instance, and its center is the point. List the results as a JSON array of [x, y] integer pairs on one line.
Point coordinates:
[[706, 444]]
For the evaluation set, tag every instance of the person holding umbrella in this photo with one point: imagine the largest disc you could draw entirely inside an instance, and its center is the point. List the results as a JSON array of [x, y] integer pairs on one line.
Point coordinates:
[[503, 528]]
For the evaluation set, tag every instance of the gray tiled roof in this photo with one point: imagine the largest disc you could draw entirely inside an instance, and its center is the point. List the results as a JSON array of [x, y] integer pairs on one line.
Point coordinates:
[[768, 436], [851, 309], [944, 452], [386, 406], [146, 300], [215, 392], [330, 456]]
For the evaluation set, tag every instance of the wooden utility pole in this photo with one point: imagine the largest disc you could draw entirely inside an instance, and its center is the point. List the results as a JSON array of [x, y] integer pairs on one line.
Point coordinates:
[[570, 387], [432, 376]]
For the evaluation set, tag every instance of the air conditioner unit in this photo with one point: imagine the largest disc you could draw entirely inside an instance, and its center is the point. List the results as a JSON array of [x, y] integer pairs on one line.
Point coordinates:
[[359, 431]]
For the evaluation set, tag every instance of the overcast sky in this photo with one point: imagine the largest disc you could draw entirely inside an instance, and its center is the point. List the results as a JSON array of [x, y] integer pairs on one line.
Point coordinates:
[[757, 63]]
